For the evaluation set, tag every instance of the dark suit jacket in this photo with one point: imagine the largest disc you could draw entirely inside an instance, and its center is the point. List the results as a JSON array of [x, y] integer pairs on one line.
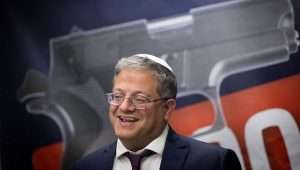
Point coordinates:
[[180, 153]]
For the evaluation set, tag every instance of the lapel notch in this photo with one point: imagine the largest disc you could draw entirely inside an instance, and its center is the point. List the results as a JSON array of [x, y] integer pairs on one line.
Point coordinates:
[[175, 153], [109, 157]]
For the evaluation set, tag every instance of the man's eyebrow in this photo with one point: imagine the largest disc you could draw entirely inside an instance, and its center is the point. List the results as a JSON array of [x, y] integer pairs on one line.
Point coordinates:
[[117, 90], [133, 93], [142, 94]]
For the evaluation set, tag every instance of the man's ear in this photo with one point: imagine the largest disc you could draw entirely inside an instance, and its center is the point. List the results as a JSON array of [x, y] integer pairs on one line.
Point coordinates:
[[170, 106]]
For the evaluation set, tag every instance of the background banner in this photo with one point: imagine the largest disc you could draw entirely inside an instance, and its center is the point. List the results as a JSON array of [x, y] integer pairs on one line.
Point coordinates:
[[237, 64]]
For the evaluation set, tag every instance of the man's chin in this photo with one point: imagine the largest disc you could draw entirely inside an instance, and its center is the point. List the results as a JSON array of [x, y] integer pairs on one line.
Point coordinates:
[[125, 135]]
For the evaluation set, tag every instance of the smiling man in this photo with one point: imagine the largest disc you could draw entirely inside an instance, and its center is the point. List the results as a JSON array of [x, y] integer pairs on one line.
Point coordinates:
[[142, 99]]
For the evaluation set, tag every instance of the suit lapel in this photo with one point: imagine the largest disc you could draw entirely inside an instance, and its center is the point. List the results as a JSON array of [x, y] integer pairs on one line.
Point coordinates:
[[175, 152], [108, 157]]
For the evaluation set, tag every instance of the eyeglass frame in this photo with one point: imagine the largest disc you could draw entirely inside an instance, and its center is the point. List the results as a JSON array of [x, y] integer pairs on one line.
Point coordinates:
[[109, 98]]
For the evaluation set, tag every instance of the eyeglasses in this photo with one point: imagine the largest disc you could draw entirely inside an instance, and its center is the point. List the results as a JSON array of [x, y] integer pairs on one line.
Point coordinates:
[[139, 101]]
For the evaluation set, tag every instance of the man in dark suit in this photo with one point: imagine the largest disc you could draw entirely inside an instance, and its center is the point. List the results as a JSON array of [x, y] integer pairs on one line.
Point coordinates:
[[142, 99]]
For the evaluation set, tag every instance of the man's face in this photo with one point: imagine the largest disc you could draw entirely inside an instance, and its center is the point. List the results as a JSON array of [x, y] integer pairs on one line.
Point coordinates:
[[133, 126]]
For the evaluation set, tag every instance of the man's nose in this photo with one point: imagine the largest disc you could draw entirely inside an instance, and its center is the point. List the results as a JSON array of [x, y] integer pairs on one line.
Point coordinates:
[[127, 105]]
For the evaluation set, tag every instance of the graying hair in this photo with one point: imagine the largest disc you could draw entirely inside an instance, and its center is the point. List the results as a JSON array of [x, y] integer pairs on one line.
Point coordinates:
[[167, 84]]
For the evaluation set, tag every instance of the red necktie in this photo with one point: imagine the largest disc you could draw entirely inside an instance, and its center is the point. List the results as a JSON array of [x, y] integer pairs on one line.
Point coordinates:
[[135, 160]]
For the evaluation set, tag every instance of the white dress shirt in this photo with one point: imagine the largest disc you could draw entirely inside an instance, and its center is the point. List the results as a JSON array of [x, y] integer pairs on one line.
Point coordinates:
[[152, 162]]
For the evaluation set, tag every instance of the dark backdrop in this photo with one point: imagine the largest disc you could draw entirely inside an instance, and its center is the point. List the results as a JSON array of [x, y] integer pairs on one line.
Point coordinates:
[[27, 26]]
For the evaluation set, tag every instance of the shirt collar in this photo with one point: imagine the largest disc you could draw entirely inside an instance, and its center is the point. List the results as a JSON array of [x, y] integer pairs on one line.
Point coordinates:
[[157, 145]]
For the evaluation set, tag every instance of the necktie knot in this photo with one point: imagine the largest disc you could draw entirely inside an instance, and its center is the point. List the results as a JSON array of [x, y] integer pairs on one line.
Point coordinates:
[[135, 159]]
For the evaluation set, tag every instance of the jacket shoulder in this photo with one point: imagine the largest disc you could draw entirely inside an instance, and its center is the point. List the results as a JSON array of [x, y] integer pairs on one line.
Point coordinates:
[[212, 155], [96, 160]]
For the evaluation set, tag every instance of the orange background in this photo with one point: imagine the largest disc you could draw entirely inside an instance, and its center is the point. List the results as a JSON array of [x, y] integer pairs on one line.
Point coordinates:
[[239, 107]]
